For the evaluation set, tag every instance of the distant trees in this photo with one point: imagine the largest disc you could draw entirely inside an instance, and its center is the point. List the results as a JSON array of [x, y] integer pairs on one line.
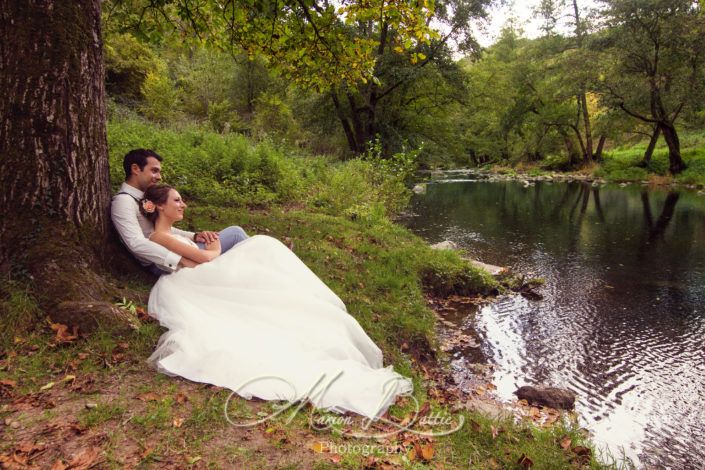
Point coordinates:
[[655, 64], [629, 65]]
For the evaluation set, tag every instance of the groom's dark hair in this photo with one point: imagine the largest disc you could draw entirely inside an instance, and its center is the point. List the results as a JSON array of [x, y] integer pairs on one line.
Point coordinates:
[[139, 157]]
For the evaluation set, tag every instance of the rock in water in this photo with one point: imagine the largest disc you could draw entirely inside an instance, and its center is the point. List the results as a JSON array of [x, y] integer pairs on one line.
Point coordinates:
[[547, 396]]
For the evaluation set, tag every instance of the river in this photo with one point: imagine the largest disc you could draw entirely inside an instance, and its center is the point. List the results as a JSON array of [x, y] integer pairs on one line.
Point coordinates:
[[622, 323]]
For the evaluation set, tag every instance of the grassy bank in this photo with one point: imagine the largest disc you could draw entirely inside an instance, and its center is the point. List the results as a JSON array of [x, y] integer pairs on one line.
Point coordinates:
[[81, 401], [105, 397]]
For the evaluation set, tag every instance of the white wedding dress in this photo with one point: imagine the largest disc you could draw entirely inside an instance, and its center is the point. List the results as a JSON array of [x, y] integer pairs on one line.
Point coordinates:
[[258, 321]]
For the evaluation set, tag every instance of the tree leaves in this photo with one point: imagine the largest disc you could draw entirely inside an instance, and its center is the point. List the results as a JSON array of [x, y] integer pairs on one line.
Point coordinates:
[[313, 43]]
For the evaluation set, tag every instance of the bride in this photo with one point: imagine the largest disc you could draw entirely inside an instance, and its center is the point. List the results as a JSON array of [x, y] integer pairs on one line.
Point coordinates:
[[258, 321]]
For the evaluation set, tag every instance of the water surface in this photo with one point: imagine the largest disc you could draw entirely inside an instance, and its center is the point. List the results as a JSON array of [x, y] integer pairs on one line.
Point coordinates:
[[622, 323]]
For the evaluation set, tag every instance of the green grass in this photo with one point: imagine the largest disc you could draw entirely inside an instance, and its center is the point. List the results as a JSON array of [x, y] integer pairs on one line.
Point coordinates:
[[625, 163]]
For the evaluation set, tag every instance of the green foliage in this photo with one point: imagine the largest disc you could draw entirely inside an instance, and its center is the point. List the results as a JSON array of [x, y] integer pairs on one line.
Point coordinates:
[[367, 188], [311, 44], [231, 170], [127, 63], [162, 100], [274, 118]]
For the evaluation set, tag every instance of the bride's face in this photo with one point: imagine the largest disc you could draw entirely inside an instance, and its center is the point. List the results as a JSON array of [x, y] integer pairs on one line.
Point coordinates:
[[173, 208]]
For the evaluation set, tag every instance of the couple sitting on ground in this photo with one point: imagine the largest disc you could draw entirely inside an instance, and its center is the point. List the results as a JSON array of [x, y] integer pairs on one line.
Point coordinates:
[[243, 312]]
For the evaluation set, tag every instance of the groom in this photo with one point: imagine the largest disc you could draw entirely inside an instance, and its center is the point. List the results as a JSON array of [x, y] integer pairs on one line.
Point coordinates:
[[142, 170]]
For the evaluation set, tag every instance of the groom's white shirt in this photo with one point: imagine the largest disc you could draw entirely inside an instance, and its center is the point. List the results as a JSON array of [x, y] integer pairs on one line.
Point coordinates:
[[135, 229]]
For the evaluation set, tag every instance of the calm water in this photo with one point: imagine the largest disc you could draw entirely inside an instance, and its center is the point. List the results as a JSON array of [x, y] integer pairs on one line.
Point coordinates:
[[623, 319]]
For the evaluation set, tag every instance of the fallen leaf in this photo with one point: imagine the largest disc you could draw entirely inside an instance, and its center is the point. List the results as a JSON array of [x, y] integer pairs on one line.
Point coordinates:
[[59, 465], [411, 455], [319, 447], [47, 386], [178, 422], [77, 428], [427, 452], [475, 426], [180, 398], [8, 383], [62, 333], [148, 396], [20, 459], [565, 443], [192, 460], [425, 408], [580, 450], [85, 459], [525, 462], [336, 458]]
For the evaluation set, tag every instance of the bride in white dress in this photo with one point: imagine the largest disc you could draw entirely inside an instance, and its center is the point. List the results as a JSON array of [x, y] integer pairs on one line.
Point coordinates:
[[258, 321]]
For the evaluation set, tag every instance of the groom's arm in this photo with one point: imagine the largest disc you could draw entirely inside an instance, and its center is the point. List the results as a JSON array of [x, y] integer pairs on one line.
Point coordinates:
[[122, 213]]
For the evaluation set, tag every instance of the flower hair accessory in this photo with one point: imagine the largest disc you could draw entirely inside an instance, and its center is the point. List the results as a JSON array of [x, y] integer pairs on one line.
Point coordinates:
[[148, 206]]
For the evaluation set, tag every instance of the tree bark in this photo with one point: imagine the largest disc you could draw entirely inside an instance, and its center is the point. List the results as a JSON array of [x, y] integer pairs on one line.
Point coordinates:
[[357, 124], [655, 134], [588, 154], [600, 146], [676, 163], [54, 166], [349, 134], [570, 149], [582, 95]]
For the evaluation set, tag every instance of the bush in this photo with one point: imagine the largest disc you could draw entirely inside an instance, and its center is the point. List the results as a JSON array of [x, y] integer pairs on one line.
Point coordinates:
[[231, 170], [162, 101]]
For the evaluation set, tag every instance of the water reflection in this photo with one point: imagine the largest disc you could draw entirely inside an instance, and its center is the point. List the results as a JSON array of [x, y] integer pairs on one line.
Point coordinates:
[[622, 321]]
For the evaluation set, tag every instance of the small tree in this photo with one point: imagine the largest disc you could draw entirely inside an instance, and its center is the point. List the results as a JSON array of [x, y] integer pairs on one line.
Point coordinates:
[[655, 62]]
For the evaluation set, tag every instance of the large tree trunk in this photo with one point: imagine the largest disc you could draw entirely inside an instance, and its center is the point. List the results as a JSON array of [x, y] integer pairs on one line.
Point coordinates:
[[676, 163], [53, 147], [652, 144]]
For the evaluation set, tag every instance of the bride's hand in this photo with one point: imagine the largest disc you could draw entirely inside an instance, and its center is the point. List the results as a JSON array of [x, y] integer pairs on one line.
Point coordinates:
[[214, 246]]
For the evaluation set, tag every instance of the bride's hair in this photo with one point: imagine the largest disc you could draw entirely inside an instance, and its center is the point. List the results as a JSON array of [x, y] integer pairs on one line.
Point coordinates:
[[157, 194]]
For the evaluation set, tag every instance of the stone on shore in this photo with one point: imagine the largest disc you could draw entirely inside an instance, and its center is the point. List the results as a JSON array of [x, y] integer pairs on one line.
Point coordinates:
[[419, 188], [551, 397], [490, 268], [445, 245]]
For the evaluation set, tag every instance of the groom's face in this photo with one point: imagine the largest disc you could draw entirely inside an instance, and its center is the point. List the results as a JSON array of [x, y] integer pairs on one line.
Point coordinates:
[[151, 173]]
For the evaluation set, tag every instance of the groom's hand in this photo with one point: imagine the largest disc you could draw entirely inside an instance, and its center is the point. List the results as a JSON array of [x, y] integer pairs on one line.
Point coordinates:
[[206, 237]]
